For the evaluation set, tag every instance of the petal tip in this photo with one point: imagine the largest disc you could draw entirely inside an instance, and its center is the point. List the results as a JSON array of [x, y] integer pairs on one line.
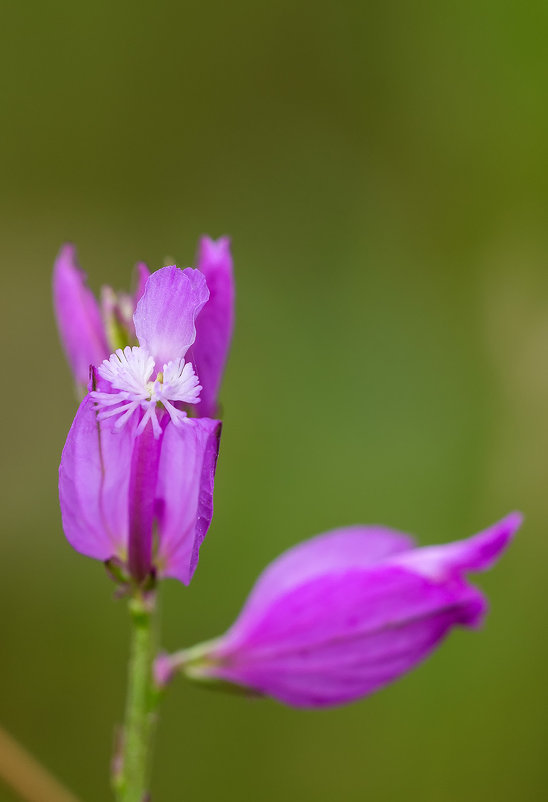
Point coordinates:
[[497, 538], [66, 260], [214, 252]]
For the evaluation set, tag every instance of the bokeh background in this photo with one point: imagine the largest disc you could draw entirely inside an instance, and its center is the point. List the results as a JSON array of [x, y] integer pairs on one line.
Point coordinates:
[[382, 169]]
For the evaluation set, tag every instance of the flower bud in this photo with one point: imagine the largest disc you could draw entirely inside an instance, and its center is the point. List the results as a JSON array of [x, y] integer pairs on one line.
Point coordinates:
[[345, 613]]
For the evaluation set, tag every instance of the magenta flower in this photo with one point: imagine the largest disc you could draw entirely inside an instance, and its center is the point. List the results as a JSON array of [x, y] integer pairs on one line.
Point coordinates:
[[90, 332], [136, 474], [345, 613]]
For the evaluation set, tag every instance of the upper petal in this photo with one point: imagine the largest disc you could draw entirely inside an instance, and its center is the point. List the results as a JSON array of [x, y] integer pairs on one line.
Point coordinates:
[[185, 494], [477, 553], [216, 322], [93, 484], [78, 316], [335, 552], [166, 313]]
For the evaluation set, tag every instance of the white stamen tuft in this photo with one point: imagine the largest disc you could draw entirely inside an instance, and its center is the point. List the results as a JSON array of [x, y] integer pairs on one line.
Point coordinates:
[[129, 373]]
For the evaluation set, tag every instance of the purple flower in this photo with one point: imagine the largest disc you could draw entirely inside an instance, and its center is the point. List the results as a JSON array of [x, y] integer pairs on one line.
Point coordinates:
[[343, 614], [90, 332], [136, 474]]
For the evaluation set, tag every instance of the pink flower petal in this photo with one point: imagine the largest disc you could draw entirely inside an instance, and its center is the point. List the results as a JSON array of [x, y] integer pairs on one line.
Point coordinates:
[[477, 553], [141, 497], [333, 552], [185, 493], [142, 275], [166, 313], [216, 322], [93, 484], [78, 317]]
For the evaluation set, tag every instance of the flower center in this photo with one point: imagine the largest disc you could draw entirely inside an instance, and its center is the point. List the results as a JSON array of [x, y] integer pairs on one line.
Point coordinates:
[[129, 373]]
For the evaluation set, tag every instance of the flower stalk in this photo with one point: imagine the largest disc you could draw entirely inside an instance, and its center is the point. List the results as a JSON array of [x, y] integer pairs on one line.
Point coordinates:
[[131, 769]]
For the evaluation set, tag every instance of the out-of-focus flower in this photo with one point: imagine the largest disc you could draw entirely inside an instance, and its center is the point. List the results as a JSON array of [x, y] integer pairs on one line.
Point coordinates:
[[118, 309], [345, 613], [136, 474], [90, 332]]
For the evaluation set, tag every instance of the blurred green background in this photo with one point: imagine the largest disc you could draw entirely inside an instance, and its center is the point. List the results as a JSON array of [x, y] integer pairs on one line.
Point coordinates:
[[382, 169]]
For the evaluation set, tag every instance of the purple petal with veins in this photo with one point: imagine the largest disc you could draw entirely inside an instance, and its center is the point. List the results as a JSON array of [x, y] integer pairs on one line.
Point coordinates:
[[93, 484], [166, 314], [185, 494]]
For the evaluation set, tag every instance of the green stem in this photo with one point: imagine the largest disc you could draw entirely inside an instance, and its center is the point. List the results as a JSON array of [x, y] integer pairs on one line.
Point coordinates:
[[131, 769]]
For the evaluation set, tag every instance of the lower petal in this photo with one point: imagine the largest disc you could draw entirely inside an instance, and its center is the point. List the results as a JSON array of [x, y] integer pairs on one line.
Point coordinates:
[[477, 553]]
